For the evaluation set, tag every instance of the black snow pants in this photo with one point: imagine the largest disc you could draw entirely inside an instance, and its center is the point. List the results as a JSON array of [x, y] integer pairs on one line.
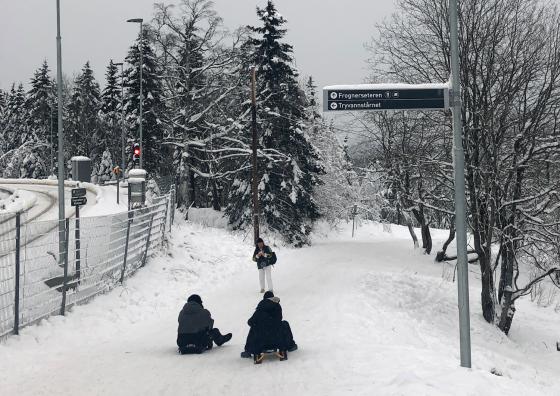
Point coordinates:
[[197, 342]]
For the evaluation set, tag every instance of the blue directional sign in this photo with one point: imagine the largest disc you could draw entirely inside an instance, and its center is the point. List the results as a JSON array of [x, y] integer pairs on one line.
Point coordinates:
[[382, 97]]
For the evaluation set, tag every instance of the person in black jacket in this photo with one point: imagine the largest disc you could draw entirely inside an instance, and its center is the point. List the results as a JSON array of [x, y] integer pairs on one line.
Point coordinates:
[[196, 330], [262, 256], [268, 331]]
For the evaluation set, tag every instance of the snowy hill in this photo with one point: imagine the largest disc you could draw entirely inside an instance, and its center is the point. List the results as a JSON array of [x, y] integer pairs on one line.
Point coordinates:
[[371, 317]]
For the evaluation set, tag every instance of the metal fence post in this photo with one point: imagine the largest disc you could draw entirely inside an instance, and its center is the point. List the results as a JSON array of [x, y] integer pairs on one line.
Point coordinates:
[[130, 218], [148, 241], [16, 275], [65, 260]]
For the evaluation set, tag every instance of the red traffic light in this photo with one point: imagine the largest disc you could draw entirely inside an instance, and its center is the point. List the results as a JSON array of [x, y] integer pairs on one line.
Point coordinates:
[[136, 151]]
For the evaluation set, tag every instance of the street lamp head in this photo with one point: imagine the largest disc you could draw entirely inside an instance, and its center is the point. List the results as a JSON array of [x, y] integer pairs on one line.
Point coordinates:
[[136, 20]]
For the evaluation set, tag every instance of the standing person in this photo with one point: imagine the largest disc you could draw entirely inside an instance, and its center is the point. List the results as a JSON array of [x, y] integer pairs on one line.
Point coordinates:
[[196, 330], [264, 257]]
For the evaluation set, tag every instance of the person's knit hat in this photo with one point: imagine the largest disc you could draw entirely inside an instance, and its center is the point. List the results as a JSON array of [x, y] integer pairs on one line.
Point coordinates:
[[195, 298], [268, 294]]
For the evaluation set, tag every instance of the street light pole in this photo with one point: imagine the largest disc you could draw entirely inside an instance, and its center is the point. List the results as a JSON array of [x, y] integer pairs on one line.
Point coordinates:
[[122, 117], [61, 214], [460, 201], [141, 48]]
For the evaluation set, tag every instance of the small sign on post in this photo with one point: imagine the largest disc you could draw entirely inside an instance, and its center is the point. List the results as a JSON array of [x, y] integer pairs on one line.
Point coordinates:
[[78, 197], [78, 192], [78, 201]]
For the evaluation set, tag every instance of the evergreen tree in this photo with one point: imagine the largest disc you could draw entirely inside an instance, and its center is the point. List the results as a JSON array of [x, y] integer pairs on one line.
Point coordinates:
[[16, 130], [104, 170], [83, 126], [3, 102], [153, 107], [286, 187], [312, 108], [111, 112], [40, 103], [19, 143]]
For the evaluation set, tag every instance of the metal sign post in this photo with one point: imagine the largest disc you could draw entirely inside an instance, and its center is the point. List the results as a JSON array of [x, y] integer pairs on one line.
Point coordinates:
[[460, 201], [78, 199]]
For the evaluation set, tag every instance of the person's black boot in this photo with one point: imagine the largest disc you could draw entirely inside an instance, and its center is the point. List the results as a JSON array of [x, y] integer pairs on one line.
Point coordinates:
[[245, 355], [223, 339]]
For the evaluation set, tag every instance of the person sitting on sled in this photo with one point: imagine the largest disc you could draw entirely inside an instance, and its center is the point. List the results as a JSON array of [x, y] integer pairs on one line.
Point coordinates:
[[268, 331], [196, 332]]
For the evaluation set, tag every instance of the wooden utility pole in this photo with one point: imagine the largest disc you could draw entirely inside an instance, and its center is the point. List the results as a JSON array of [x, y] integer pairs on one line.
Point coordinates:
[[255, 184]]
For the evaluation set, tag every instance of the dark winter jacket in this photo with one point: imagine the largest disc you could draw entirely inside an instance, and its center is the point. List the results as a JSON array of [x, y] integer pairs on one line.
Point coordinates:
[[194, 319], [263, 260], [266, 327]]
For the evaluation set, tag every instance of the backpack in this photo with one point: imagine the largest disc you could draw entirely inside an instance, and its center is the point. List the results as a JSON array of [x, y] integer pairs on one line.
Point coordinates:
[[272, 259]]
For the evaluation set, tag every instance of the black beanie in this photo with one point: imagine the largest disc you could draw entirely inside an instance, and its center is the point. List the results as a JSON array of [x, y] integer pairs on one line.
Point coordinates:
[[268, 294], [195, 298], [258, 240]]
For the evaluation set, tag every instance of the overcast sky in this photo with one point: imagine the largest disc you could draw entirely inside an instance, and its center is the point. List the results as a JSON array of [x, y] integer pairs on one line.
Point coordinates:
[[328, 35]]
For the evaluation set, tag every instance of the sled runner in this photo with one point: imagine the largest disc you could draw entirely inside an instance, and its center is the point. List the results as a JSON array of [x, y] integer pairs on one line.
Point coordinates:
[[281, 355]]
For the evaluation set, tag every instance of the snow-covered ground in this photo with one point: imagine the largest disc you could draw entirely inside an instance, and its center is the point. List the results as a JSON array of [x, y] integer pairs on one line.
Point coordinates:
[[371, 316]]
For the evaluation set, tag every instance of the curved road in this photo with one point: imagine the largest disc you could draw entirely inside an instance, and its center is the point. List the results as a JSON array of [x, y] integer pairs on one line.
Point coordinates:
[[45, 209]]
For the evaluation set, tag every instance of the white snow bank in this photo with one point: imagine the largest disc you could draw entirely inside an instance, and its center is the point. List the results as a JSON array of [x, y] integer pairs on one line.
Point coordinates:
[[94, 189], [18, 201]]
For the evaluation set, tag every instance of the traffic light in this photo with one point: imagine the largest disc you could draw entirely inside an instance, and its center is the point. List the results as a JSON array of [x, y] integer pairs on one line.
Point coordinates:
[[136, 153]]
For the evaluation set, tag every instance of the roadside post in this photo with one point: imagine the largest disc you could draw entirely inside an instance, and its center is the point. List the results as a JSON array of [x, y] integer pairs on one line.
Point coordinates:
[[78, 199], [117, 171]]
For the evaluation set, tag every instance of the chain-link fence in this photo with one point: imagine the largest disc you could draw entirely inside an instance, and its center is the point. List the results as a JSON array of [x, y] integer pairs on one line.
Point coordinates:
[[36, 281]]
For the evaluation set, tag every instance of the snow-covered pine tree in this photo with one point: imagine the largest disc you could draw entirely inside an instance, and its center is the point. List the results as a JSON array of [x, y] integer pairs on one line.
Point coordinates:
[[110, 133], [152, 104], [83, 124], [286, 187], [14, 132], [104, 170], [40, 104], [3, 101], [15, 116]]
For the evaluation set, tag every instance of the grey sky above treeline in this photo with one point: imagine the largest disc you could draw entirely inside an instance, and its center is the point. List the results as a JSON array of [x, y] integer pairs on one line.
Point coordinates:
[[328, 35]]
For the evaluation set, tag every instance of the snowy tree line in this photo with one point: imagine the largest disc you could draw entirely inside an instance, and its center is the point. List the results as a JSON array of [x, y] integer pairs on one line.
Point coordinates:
[[196, 120], [510, 73]]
